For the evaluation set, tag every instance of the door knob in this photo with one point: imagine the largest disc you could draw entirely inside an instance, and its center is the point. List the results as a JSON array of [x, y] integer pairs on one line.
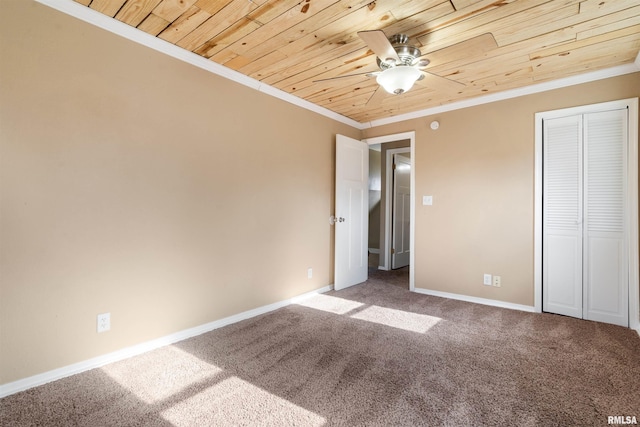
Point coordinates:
[[333, 219]]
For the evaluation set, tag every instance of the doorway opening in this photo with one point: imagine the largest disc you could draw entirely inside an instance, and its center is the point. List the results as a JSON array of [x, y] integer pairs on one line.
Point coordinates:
[[390, 208]]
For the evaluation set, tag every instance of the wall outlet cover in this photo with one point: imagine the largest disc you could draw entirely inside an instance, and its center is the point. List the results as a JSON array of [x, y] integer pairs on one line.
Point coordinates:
[[104, 322], [497, 281], [487, 280]]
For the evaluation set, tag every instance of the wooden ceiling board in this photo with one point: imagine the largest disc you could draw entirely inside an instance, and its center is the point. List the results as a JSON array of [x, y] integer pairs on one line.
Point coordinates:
[[277, 35], [283, 28], [108, 7], [133, 12], [153, 24], [170, 10], [566, 18], [476, 47], [462, 52], [203, 36], [185, 24], [227, 37], [566, 48], [335, 92], [356, 98], [588, 55], [607, 23], [213, 6]]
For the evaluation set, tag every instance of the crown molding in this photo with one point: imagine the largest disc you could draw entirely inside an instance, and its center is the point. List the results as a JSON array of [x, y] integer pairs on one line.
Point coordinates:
[[93, 17]]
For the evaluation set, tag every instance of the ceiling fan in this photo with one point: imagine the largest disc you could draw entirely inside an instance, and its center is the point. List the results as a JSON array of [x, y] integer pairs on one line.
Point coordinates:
[[401, 64]]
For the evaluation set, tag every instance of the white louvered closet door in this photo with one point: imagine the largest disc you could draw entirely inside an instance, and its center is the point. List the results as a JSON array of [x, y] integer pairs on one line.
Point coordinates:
[[562, 218], [606, 288], [584, 225]]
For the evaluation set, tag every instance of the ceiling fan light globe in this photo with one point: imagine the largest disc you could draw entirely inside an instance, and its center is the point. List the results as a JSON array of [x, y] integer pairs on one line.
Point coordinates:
[[399, 79]]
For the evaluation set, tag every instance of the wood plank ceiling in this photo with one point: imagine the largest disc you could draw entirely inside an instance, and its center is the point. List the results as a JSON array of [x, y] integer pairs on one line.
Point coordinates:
[[476, 47]]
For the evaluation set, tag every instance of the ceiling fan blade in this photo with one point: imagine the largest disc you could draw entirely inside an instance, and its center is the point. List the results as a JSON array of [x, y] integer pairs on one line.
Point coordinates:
[[379, 44], [368, 74], [436, 82]]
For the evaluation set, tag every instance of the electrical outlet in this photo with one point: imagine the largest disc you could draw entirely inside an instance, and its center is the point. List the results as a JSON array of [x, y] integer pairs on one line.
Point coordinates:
[[487, 280], [496, 281], [309, 273], [104, 322]]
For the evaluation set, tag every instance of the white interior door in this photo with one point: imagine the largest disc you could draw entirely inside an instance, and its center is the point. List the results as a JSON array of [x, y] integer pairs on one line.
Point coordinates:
[[562, 219], [352, 207], [606, 287], [400, 251], [585, 252]]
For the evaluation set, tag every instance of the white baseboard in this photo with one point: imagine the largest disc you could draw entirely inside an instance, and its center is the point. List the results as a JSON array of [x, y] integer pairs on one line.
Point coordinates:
[[374, 250], [477, 300], [125, 353], [491, 302]]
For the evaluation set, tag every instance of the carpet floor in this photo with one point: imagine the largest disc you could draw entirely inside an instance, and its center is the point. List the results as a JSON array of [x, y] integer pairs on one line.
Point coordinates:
[[371, 355]]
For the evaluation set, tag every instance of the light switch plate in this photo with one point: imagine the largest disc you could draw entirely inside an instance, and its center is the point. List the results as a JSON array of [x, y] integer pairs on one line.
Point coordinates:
[[427, 200]]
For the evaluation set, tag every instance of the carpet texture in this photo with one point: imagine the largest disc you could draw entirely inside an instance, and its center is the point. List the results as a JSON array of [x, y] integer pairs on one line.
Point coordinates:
[[370, 355]]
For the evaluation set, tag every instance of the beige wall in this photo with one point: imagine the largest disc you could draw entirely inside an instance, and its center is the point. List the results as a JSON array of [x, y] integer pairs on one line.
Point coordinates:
[[135, 184], [479, 168]]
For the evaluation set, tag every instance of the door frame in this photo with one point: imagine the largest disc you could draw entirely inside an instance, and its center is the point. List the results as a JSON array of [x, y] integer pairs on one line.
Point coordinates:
[[632, 199], [411, 136]]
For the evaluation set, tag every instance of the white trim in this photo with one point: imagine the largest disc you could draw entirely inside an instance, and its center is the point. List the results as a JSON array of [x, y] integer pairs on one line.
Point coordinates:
[[93, 17], [537, 217], [374, 250], [477, 300], [632, 195], [411, 136], [125, 353], [634, 244]]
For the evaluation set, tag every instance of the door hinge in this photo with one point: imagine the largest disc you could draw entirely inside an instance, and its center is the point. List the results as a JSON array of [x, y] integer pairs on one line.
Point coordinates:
[[393, 251]]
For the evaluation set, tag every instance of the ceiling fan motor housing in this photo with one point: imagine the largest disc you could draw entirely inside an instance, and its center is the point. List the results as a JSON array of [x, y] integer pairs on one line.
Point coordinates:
[[408, 54]]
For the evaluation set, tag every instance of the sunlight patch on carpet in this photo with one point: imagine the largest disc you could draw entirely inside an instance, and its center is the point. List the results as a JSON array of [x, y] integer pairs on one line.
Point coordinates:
[[158, 375], [400, 319], [331, 304], [234, 401]]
